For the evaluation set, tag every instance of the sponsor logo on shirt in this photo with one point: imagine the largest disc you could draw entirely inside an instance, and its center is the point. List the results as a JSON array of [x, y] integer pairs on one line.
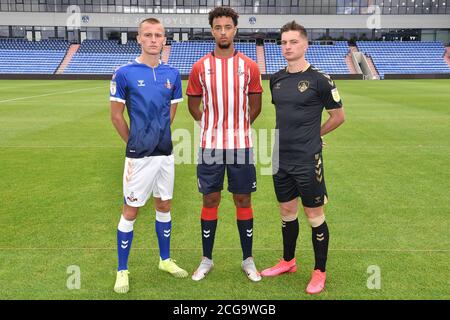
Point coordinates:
[[141, 83]]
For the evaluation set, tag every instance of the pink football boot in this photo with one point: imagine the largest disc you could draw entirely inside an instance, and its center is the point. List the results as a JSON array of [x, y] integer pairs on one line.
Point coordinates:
[[317, 283], [281, 267]]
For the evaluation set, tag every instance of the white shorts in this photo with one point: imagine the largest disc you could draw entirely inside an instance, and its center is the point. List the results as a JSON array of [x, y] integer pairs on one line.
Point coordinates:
[[146, 176]]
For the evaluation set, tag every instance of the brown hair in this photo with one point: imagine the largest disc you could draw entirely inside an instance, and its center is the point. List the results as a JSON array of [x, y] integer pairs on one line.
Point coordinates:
[[223, 12], [149, 20], [294, 26]]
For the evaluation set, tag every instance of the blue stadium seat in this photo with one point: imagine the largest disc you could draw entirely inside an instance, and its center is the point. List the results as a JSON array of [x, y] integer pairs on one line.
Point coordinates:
[[405, 57], [102, 56], [328, 58], [184, 54], [23, 56]]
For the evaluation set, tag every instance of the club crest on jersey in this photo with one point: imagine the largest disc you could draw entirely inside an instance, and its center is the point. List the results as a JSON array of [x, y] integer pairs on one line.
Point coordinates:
[[141, 83], [277, 86], [113, 87], [168, 85], [303, 86], [240, 72]]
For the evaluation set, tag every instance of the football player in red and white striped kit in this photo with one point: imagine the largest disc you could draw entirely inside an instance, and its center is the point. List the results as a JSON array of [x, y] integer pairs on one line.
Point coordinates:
[[229, 85]]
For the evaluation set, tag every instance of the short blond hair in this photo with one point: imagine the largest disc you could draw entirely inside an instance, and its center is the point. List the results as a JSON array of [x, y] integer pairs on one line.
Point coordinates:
[[149, 20]]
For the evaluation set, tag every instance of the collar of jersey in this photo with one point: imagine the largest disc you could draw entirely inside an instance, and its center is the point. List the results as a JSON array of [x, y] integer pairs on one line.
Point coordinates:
[[301, 71], [234, 53], [137, 61]]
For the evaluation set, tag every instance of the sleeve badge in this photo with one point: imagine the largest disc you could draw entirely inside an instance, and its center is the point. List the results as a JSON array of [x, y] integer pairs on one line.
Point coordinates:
[[335, 94], [112, 87]]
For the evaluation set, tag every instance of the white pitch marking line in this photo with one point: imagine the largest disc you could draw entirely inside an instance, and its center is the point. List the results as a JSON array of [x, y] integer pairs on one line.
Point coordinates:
[[336, 147], [49, 94], [22, 85], [57, 147], [262, 249]]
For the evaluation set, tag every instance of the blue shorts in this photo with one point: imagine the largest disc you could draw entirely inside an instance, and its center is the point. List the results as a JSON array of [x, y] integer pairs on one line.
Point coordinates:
[[240, 167]]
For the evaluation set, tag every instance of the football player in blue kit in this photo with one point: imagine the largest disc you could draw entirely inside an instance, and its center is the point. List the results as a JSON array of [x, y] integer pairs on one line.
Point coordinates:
[[150, 90]]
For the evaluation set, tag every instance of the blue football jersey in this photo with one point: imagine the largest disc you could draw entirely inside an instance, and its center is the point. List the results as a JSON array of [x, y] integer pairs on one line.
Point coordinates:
[[147, 93]]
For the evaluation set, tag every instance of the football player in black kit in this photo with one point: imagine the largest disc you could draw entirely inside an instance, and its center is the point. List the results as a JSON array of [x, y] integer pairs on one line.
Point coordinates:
[[300, 92]]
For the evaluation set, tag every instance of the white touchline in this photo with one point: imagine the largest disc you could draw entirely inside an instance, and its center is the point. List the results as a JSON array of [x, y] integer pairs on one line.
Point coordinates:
[[223, 248], [60, 146], [22, 85], [50, 94]]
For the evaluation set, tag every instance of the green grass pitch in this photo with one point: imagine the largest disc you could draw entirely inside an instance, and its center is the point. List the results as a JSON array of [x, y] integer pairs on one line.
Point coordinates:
[[386, 168]]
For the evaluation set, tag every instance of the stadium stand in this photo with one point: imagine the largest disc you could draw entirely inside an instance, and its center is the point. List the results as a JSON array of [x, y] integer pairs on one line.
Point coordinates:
[[102, 56], [21, 56], [408, 57], [261, 59], [447, 56], [328, 58], [68, 57], [184, 54]]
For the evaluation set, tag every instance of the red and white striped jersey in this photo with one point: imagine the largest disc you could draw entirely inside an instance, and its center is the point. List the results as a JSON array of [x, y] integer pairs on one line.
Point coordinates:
[[224, 84]]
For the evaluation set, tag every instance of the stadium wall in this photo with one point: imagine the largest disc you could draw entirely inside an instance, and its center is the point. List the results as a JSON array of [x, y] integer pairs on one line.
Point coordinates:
[[416, 76], [439, 21], [185, 77], [55, 76], [334, 76], [108, 76]]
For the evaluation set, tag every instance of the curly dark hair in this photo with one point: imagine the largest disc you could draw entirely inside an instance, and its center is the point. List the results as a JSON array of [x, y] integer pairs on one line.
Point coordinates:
[[223, 12]]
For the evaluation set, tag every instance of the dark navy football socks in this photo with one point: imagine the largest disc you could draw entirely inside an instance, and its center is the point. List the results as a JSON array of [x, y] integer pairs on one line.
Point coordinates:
[[209, 225], [245, 227]]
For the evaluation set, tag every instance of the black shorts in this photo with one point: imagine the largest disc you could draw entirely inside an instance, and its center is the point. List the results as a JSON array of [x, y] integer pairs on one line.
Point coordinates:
[[239, 165], [302, 180]]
